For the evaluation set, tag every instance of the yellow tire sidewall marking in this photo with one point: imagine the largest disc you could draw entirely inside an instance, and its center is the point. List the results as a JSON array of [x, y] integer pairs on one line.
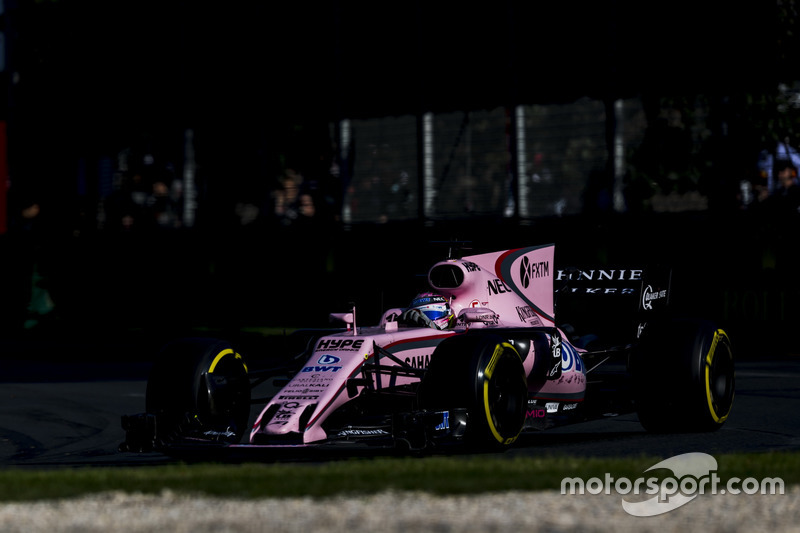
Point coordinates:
[[222, 354], [488, 372], [718, 335]]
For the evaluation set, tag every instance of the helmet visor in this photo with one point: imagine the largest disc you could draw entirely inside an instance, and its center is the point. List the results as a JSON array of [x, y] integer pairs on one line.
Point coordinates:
[[435, 314]]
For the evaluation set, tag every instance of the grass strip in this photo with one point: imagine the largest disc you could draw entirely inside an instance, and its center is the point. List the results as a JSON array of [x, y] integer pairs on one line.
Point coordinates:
[[436, 475]]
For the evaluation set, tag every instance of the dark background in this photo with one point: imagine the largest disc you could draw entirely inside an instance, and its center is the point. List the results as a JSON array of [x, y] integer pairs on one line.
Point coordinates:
[[260, 83]]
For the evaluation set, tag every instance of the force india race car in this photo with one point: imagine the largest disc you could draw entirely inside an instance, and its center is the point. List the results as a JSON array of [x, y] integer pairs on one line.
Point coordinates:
[[499, 367]]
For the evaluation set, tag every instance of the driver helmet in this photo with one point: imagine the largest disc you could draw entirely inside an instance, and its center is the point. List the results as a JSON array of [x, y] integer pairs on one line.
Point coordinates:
[[435, 307]]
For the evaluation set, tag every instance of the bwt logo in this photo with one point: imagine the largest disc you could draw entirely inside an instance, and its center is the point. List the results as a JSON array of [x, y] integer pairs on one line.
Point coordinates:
[[321, 368], [325, 364], [528, 270]]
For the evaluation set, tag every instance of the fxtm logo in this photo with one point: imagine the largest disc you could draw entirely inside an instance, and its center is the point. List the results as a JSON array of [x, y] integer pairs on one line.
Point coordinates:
[[528, 270]]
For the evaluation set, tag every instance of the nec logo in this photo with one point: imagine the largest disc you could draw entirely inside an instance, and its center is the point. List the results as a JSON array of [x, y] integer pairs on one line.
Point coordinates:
[[340, 344], [497, 287]]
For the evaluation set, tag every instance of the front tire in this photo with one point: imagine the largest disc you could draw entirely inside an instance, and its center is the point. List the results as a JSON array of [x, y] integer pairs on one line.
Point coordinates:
[[484, 374], [199, 389], [683, 377]]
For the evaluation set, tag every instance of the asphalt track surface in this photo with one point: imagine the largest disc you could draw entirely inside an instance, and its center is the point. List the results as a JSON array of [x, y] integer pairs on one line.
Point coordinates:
[[61, 412]]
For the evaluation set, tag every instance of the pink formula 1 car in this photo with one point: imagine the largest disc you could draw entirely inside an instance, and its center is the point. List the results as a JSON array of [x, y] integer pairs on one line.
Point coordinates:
[[474, 362]]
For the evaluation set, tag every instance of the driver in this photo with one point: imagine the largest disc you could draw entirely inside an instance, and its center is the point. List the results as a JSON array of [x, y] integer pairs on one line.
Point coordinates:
[[431, 310]]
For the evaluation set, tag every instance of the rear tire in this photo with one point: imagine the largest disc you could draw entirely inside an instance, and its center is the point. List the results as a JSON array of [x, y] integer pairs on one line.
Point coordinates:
[[484, 374], [683, 377], [199, 388]]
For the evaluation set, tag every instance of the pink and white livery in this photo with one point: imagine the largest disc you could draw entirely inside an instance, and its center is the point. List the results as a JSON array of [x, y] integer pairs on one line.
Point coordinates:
[[475, 361]]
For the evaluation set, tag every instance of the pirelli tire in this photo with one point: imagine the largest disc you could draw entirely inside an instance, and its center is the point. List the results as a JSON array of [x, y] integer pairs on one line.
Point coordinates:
[[683, 376], [484, 374], [199, 389]]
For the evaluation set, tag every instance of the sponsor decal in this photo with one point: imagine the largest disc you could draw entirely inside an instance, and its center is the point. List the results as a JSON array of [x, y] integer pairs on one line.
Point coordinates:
[[326, 363], [306, 391], [226, 433], [555, 347], [554, 371], [298, 397], [419, 361], [528, 270], [281, 418], [577, 378], [570, 358], [470, 266], [497, 287], [536, 413], [507, 266], [569, 406], [488, 318], [319, 380], [328, 360], [551, 407], [649, 296], [361, 432], [601, 290], [350, 345], [286, 411], [526, 313], [600, 275], [445, 424], [321, 368]]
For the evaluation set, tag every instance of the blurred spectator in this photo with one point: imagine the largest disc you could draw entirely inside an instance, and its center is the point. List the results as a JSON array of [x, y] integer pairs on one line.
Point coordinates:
[[36, 239], [752, 192], [145, 200], [786, 197], [286, 197], [305, 206], [768, 162], [162, 205]]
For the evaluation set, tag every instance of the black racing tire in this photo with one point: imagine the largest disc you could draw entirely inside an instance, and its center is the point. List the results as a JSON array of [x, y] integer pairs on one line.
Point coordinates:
[[199, 388], [484, 374], [683, 376]]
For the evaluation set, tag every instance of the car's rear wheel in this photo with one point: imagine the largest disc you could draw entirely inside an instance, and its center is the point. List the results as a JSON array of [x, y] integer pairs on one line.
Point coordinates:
[[199, 388], [484, 374], [683, 377]]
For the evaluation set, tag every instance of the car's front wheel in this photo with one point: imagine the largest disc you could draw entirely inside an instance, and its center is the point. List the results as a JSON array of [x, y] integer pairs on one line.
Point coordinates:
[[199, 388], [484, 374]]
